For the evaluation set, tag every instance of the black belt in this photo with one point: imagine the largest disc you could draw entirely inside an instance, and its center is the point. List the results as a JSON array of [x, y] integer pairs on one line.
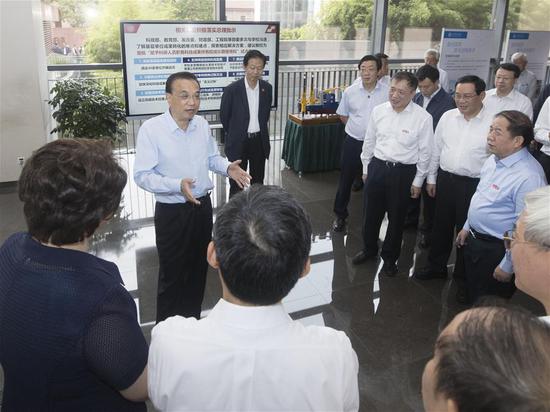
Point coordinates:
[[458, 177], [393, 164], [484, 236], [252, 135]]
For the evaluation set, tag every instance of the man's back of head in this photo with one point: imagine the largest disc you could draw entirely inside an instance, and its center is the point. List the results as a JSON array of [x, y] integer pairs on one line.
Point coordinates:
[[262, 239]]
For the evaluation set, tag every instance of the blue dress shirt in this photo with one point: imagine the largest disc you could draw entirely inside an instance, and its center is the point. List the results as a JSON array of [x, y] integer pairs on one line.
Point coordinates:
[[499, 197], [165, 154]]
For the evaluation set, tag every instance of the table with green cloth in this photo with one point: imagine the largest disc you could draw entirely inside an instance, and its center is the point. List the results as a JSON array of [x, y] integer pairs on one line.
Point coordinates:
[[313, 148]]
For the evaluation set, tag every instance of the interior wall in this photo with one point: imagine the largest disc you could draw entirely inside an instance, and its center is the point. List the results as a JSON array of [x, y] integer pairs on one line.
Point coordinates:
[[24, 113]]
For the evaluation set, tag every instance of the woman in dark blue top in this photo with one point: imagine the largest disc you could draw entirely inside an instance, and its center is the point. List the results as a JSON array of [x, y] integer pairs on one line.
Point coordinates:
[[69, 336]]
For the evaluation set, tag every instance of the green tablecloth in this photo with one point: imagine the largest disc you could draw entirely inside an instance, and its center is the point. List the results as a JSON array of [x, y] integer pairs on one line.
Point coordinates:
[[313, 148]]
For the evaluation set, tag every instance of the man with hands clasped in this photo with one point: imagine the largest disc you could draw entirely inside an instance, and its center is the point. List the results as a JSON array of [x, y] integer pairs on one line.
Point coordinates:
[[174, 153], [506, 177], [395, 157]]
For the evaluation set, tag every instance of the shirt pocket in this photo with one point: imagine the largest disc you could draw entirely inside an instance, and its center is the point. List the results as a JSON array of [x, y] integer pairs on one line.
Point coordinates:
[[408, 138]]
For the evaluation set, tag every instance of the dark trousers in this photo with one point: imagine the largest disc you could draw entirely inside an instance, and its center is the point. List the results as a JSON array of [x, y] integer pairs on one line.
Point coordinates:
[[252, 153], [544, 161], [428, 210], [481, 257], [183, 231], [387, 189], [350, 167], [453, 195]]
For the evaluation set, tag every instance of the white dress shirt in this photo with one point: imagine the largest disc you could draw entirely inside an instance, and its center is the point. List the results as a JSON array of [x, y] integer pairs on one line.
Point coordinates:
[[250, 358], [526, 84], [512, 101], [357, 104], [545, 319], [403, 137], [443, 79], [542, 127], [253, 97], [426, 100], [460, 145]]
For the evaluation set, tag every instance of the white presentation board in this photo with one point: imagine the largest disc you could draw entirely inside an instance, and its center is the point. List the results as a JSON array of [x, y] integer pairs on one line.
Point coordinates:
[[465, 52], [213, 51], [535, 44]]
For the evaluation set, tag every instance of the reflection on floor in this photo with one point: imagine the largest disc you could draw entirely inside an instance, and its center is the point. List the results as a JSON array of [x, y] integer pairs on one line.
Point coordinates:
[[392, 322]]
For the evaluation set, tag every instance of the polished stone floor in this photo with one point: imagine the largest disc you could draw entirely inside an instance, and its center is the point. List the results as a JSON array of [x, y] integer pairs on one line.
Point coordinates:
[[392, 322]]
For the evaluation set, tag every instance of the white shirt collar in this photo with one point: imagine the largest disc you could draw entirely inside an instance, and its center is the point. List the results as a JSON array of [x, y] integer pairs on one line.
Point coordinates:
[[173, 126], [249, 317], [248, 85]]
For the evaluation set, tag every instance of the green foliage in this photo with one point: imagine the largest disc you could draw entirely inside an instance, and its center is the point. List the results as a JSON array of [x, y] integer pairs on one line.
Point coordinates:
[[103, 36], [83, 109], [348, 16], [73, 11]]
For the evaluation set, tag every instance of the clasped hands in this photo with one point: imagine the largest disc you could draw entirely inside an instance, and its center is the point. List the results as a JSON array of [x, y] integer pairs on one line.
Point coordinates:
[[240, 176]]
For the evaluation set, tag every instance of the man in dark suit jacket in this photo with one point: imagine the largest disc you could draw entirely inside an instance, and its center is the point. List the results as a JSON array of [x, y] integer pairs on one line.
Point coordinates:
[[244, 113], [436, 101]]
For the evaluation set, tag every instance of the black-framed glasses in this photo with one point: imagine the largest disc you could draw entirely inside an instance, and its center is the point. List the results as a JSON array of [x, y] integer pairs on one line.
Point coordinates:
[[508, 238]]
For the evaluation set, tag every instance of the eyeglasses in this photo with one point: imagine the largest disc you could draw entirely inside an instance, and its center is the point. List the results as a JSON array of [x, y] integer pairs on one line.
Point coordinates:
[[466, 97]]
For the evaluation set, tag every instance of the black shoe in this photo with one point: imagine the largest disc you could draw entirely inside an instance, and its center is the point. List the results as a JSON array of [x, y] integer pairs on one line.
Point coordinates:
[[357, 185], [362, 257], [427, 273], [389, 269], [339, 224]]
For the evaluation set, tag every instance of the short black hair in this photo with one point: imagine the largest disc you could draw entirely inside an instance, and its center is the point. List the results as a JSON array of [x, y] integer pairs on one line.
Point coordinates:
[[427, 72], [511, 67], [382, 56], [179, 75], [408, 77], [497, 360], [254, 54], [369, 58], [68, 187], [519, 125], [478, 83], [262, 238]]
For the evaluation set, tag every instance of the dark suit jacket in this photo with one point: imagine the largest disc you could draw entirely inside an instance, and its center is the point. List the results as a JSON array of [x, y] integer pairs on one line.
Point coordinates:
[[439, 104], [235, 116]]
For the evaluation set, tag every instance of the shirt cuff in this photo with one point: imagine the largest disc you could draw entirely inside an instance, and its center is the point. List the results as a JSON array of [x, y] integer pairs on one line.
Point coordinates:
[[506, 264], [431, 179], [175, 185], [418, 181], [466, 226]]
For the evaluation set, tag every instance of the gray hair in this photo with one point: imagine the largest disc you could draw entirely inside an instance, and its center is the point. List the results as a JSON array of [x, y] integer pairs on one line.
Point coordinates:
[[536, 216], [432, 52], [518, 55]]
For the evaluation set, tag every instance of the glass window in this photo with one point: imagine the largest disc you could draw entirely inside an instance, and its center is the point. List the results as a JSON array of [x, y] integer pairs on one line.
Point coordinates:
[[415, 25], [529, 15], [312, 29], [88, 31]]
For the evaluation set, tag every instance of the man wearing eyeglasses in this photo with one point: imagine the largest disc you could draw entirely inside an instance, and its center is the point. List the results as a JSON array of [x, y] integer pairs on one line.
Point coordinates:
[[529, 245], [506, 177], [395, 157], [459, 151], [174, 154]]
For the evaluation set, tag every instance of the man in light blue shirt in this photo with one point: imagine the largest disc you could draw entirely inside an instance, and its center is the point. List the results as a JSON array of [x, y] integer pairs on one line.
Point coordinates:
[[355, 109], [174, 153], [506, 177]]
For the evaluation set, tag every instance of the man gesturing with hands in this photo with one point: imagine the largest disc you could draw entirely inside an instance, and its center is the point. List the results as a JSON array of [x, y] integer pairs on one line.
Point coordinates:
[[174, 153]]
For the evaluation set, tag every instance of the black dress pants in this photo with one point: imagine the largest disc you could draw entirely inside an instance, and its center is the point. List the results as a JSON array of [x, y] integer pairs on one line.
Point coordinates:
[[183, 231], [350, 167], [252, 153], [387, 189], [481, 257], [428, 210], [453, 193], [544, 161]]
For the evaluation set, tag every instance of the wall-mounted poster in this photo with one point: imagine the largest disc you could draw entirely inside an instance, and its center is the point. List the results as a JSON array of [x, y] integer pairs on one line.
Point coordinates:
[[466, 52], [535, 44], [213, 51]]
